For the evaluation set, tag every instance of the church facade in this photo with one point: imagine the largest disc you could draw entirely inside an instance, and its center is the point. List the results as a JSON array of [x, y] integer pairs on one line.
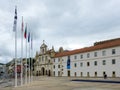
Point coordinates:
[[103, 58], [43, 64]]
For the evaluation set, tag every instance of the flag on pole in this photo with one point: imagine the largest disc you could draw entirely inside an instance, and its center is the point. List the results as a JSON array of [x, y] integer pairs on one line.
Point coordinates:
[[15, 20], [25, 33], [28, 37]]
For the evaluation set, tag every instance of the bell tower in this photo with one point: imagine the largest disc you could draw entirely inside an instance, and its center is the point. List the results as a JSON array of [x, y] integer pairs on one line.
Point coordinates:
[[43, 48]]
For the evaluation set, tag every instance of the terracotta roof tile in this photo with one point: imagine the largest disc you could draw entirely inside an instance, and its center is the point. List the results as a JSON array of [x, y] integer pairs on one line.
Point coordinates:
[[97, 46]]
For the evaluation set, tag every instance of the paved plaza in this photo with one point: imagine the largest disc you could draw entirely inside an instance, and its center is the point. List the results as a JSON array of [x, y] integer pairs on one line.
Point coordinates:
[[64, 83]]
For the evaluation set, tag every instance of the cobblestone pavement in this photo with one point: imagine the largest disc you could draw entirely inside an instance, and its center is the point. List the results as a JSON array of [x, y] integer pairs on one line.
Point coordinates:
[[63, 83]]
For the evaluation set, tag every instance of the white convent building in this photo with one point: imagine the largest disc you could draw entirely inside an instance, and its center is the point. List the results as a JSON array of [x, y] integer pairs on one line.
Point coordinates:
[[94, 61]]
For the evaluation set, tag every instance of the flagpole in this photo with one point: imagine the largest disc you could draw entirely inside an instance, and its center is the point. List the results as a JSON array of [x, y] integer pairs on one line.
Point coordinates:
[[16, 58], [15, 29], [22, 52], [29, 55], [31, 59], [26, 55]]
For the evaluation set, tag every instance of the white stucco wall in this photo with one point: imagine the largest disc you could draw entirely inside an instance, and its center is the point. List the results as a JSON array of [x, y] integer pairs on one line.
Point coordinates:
[[100, 68]]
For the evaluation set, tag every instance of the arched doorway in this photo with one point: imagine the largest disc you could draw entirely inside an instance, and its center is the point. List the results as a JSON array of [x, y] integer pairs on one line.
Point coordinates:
[[49, 73], [37, 73], [46, 72], [42, 71]]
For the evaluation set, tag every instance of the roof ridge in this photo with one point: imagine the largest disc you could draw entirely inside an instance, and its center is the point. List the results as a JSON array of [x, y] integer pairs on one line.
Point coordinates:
[[105, 44], [106, 41]]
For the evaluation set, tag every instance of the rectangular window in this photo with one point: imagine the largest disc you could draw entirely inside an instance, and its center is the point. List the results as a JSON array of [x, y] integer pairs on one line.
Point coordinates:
[[88, 63], [58, 59], [81, 64], [95, 74], [75, 74], [75, 65], [75, 57], [48, 61], [95, 63], [88, 55], [103, 53], [95, 54], [81, 56], [42, 58], [58, 66], [113, 61], [45, 57], [54, 66], [68, 73], [104, 62], [113, 51]]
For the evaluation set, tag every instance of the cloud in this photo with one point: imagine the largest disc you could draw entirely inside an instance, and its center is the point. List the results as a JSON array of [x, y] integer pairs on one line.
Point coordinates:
[[69, 23]]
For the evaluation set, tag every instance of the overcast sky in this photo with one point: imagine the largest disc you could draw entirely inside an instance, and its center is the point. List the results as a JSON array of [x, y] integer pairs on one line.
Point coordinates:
[[71, 24]]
